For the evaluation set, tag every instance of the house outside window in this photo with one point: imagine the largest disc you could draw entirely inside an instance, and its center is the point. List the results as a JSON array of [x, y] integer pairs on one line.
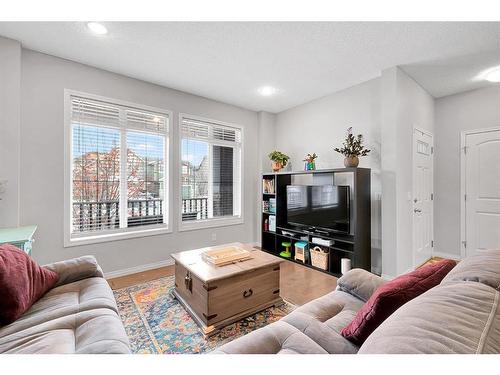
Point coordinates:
[[117, 170], [210, 175]]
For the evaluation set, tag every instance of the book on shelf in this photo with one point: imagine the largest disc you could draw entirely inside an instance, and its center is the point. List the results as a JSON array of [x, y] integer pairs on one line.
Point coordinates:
[[272, 205], [268, 186], [272, 223]]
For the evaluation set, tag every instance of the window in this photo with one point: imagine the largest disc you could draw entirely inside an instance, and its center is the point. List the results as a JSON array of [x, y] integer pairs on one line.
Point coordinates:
[[210, 173], [117, 169]]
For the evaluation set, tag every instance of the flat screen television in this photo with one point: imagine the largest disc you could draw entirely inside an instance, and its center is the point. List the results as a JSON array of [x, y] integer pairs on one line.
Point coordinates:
[[323, 207]]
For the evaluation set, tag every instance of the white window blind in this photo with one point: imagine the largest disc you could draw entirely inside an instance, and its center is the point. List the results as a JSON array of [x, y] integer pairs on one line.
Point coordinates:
[[118, 164], [210, 170]]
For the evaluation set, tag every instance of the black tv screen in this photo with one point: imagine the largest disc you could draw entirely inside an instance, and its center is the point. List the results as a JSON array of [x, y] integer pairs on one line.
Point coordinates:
[[322, 207]]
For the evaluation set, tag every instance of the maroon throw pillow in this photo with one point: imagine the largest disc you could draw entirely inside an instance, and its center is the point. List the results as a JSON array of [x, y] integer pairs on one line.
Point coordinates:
[[392, 295], [22, 283]]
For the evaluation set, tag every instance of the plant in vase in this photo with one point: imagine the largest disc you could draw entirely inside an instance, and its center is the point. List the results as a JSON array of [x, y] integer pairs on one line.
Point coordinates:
[[352, 148], [279, 159], [310, 162]]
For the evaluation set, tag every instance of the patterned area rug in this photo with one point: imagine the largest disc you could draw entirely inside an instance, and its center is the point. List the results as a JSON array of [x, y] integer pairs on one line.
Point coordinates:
[[157, 323]]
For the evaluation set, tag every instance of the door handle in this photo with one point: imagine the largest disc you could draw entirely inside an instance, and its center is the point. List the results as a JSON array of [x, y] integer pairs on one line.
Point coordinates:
[[417, 210]]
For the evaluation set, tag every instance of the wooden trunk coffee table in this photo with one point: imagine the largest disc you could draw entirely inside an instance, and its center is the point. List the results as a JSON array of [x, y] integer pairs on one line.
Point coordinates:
[[216, 296]]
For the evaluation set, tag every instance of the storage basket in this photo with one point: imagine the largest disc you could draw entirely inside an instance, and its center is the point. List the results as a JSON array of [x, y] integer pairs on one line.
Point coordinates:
[[319, 258]]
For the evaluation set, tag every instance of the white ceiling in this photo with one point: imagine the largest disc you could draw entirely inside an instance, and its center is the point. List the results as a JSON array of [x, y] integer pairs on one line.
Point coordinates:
[[230, 61]]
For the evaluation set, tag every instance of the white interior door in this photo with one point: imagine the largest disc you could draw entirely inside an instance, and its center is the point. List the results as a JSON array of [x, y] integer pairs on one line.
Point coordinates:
[[482, 191], [423, 196]]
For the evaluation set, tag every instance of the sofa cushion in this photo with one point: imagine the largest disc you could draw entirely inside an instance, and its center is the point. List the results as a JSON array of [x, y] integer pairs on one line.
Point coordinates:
[[65, 300], [360, 283], [323, 318], [390, 296], [484, 267], [22, 282], [461, 318], [75, 269], [321, 333], [86, 332], [276, 338]]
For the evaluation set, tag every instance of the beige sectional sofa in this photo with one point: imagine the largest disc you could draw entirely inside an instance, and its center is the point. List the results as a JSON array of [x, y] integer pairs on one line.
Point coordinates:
[[461, 315], [79, 315]]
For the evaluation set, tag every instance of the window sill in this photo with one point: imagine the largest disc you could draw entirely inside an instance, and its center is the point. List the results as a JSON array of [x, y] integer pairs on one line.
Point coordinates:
[[116, 236], [210, 223]]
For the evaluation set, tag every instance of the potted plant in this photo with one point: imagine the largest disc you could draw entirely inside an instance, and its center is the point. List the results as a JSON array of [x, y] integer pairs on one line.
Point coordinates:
[[279, 160], [352, 148], [310, 164]]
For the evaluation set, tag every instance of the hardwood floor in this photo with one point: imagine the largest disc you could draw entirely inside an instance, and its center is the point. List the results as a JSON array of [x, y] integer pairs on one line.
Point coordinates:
[[298, 284]]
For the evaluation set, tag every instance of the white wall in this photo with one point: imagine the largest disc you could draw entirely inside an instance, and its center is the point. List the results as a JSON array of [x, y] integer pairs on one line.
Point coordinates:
[[320, 125], [405, 106], [471, 110], [266, 143], [44, 79], [10, 117]]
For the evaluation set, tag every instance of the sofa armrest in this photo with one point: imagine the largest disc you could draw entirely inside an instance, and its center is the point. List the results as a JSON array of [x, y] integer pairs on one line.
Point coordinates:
[[359, 283], [76, 269]]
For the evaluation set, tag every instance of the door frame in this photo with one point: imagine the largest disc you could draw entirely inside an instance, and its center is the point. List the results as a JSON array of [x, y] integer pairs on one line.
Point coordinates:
[[463, 185], [413, 160]]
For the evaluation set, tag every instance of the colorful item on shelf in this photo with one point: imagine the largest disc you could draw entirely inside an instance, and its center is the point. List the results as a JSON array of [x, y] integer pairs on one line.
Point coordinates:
[[301, 252], [265, 206], [266, 225], [310, 160], [286, 253], [272, 205]]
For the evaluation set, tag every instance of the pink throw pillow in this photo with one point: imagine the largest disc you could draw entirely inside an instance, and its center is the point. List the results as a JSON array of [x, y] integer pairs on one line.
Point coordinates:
[[392, 295], [22, 283]]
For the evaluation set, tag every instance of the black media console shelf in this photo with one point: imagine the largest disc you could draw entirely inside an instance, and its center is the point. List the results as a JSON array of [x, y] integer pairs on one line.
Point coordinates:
[[356, 245]]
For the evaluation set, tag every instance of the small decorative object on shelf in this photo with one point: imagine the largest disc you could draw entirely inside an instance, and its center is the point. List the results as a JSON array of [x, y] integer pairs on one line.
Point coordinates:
[[268, 186], [266, 225], [345, 265], [352, 148], [272, 223], [301, 251], [319, 258], [272, 205], [286, 253], [279, 159], [310, 162]]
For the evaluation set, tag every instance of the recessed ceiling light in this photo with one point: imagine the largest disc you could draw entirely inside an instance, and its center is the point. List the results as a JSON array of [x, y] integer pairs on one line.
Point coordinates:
[[97, 28], [267, 90], [491, 75]]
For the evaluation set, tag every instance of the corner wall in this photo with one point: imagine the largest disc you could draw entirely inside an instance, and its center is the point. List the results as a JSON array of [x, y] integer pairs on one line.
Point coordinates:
[[320, 125], [405, 106], [10, 120], [471, 110]]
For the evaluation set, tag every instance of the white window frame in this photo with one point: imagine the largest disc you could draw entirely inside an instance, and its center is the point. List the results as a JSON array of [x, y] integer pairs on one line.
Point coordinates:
[[121, 233], [238, 196]]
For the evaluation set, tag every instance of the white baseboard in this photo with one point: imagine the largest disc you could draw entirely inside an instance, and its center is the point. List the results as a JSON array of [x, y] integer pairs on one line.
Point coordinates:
[[137, 269], [446, 255]]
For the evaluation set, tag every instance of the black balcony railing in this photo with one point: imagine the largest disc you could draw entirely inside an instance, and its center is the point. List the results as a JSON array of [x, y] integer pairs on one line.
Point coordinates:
[[194, 209], [94, 216]]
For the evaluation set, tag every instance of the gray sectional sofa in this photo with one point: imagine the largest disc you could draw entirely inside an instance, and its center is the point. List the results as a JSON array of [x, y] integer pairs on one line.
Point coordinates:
[[461, 315], [79, 315]]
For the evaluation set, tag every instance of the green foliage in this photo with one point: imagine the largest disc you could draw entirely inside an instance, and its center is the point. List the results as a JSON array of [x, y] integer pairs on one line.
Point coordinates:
[[279, 157], [310, 158], [353, 145]]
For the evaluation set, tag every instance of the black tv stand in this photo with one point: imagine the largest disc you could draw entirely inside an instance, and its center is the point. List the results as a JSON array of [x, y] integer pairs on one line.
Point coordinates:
[[355, 245]]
